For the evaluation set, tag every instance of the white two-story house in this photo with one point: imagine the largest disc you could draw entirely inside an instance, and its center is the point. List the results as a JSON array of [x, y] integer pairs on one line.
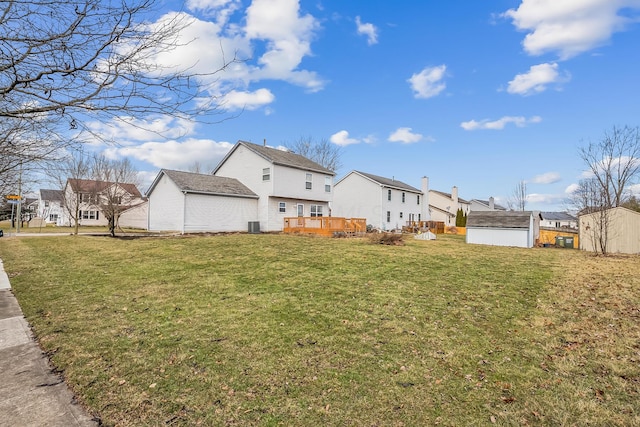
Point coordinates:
[[50, 205], [444, 206], [287, 184], [386, 203]]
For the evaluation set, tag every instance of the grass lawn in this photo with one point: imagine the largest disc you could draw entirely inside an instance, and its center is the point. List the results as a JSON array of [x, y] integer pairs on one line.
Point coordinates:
[[285, 330]]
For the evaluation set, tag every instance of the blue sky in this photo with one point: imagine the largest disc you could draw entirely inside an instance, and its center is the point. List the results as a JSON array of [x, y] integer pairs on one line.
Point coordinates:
[[476, 94]]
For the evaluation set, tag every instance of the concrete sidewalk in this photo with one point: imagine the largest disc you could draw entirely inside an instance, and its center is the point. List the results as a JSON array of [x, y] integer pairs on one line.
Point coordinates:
[[30, 393]]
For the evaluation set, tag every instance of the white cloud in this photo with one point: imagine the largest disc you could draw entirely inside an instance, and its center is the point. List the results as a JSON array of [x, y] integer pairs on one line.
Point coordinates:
[[405, 136], [547, 178], [342, 138], [536, 79], [237, 100], [368, 30], [288, 36], [174, 154], [499, 124], [570, 27], [572, 188], [126, 130], [428, 82]]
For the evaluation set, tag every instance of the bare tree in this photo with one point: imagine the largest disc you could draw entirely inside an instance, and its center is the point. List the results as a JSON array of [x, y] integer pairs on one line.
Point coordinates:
[[589, 199], [75, 167], [116, 188], [518, 199], [65, 63], [321, 151], [614, 163]]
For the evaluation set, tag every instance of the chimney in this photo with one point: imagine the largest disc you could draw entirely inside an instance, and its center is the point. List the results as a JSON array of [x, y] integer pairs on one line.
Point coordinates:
[[454, 196], [491, 203], [264, 142], [424, 203]]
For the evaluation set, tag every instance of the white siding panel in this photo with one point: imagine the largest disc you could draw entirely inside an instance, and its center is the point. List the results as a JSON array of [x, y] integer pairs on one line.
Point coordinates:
[[290, 182], [358, 197], [498, 237], [207, 213], [166, 207], [135, 217]]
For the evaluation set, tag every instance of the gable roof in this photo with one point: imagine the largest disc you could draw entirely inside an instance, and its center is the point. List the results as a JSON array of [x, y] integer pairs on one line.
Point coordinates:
[[51, 195], [190, 182], [487, 204], [385, 182], [278, 157], [95, 186], [499, 219], [557, 216], [448, 196]]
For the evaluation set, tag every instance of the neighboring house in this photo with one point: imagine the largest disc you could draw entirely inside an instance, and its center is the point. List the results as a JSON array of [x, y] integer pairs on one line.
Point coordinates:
[[50, 205], [191, 202], [558, 220], [86, 196], [620, 230], [485, 205], [444, 206], [287, 184], [385, 203], [503, 228]]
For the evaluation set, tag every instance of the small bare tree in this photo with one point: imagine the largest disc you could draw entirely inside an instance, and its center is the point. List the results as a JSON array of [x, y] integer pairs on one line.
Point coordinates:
[[75, 167], [589, 199], [320, 151], [116, 190], [518, 199], [614, 163]]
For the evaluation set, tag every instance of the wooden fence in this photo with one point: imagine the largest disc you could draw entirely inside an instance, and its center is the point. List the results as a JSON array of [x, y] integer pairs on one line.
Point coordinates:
[[325, 225]]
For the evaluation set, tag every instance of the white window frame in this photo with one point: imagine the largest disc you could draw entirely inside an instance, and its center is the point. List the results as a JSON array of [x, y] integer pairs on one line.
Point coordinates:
[[308, 181], [327, 184], [389, 195], [266, 174], [282, 207], [316, 211]]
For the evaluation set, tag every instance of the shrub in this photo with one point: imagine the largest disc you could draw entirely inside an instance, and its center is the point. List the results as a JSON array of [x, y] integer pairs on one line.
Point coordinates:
[[395, 239]]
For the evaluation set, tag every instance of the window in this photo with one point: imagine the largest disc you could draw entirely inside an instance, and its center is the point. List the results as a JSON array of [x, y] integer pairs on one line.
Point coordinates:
[[87, 198], [403, 197], [418, 198], [388, 216], [316, 210], [327, 184], [282, 207], [266, 174], [53, 217], [309, 181], [401, 215], [89, 215], [389, 195]]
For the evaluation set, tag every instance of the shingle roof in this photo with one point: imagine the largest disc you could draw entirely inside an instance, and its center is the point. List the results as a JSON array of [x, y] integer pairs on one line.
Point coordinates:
[[208, 184], [389, 182], [449, 196], [94, 186], [286, 158], [557, 216], [51, 195], [499, 219], [486, 203]]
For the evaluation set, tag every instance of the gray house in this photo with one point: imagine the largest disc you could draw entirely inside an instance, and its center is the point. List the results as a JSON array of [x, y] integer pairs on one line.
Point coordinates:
[[503, 228]]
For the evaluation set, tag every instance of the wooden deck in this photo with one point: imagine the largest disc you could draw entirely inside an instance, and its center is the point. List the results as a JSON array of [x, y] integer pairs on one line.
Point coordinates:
[[326, 225], [436, 227]]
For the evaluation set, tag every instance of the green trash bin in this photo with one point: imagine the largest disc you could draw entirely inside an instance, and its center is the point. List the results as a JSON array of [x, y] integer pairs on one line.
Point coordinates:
[[568, 242], [560, 241]]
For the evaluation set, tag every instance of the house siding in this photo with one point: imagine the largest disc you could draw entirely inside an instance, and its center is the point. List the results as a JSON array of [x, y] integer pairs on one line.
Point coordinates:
[[135, 217], [218, 213], [623, 231], [166, 207]]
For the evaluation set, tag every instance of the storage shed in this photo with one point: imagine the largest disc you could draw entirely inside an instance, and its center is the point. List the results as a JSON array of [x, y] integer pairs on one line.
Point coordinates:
[[618, 227], [503, 228]]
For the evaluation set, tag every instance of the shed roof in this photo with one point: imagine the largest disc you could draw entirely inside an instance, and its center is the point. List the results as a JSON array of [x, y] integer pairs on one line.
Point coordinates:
[[499, 219], [190, 182]]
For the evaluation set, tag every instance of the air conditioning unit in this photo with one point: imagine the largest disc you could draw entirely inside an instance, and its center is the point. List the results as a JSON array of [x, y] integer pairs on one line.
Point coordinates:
[[254, 227]]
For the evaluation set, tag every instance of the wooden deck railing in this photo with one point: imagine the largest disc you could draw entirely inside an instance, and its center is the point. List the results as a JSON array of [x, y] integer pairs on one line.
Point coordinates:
[[436, 227], [325, 225]]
